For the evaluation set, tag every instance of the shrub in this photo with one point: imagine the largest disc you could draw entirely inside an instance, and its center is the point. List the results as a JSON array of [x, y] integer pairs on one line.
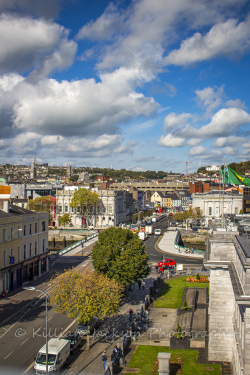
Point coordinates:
[[185, 306], [198, 277]]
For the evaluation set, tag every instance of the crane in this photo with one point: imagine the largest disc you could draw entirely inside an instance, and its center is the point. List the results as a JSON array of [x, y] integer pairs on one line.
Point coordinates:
[[188, 162]]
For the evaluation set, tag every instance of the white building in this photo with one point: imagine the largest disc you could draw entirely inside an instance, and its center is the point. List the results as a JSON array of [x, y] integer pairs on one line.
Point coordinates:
[[113, 209], [228, 258], [213, 168], [211, 204]]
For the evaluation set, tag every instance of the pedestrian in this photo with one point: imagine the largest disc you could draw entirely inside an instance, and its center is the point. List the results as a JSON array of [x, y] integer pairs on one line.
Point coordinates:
[[104, 359], [156, 269], [139, 284], [192, 251], [143, 284]]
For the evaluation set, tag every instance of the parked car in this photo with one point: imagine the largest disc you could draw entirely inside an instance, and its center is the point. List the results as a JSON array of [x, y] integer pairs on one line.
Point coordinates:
[[75, 341], [82, 328]]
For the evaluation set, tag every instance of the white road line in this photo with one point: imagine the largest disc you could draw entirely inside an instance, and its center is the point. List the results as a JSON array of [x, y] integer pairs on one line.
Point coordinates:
[[15, 323], [8, 355], [27, 370], [50, 318], [24, 341]]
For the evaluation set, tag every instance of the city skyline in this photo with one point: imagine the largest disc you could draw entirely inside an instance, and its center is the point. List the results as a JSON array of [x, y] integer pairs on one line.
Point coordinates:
[[128, 84]]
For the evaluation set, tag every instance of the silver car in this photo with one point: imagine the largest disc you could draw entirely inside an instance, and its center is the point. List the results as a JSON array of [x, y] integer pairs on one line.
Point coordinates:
[[82, 328]]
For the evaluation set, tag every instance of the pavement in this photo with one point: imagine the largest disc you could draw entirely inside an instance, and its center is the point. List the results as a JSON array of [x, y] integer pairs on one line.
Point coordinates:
[[160, 324], [166, 244]]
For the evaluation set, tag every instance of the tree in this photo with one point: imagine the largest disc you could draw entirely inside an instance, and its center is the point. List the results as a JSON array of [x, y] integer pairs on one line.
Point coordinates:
[[64, 219], [81, 296], [41, 204], [121, 255], [73, 178], [86, 200]]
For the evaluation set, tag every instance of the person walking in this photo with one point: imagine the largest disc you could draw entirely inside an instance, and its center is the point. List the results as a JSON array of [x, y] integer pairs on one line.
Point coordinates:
[[104, 359], [143, 284], [139, 284]]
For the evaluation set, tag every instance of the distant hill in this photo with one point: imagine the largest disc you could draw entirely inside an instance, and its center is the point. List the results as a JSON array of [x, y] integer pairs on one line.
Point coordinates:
[[240, 168]]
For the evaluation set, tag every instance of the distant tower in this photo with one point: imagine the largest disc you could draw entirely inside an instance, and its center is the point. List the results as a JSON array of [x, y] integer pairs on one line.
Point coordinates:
[[69, 169], [33, 169]]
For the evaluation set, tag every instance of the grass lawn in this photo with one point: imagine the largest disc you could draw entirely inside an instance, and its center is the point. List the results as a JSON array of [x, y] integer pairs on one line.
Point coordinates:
[[145, 356], [172, 292]]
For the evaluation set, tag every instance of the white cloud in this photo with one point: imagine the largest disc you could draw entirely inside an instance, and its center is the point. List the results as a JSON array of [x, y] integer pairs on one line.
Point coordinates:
[[84, 107], [229, 141], [45, 8], [199, 150], [193, 142], [173, 120], [224, 39], [210, 98], [32, 44], [237, 103], [225, 122], [171, 141]]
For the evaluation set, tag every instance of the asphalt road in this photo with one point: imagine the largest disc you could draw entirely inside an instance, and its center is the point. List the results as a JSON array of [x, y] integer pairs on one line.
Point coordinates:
[[156, 256]]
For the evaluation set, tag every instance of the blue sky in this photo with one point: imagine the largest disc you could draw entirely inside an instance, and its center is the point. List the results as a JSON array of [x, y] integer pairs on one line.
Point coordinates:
[[141, 85]]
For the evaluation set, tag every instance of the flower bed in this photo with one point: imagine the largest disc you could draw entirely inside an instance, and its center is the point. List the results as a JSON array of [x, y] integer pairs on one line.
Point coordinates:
[[175, 366], [194, 280]]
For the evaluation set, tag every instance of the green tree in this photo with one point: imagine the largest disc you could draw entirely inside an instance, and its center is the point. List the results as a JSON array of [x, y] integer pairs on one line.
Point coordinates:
[[120, 255], [86, 200], [64, 219], [73, 178], [41, 204], [81, 296]]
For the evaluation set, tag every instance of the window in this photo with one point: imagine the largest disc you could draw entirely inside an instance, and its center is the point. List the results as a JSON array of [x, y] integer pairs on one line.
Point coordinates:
[[43, 226], [24, 252], [18, 254], [12, 233], [24, 230], [72, 209], [35, 247], [35, 227], [44, 245], [110, 208], [210, 211], [19, 231], [30, 252], [60, 208], [66, 209], [5, 258], [30, 229], [78, 209], [4, 235], [12, 252], [236, 210]]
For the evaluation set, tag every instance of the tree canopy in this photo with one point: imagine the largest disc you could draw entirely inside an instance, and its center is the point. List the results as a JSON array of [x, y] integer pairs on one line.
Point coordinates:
[[81, 296], [120, 255], [86, 199], [64, 219], [41, 204]]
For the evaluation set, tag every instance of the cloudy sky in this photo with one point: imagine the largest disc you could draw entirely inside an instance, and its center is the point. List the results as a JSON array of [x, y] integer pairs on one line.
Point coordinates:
[[141, 85]]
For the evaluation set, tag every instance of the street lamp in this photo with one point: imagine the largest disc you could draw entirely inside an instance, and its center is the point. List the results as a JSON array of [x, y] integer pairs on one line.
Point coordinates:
[[82, 250], [46, 319]]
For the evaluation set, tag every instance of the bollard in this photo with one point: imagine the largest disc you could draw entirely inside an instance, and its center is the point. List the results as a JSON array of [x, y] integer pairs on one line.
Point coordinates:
[[164, 359]]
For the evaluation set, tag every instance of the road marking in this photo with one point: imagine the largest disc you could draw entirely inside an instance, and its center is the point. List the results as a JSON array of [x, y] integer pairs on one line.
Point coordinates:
[[27, 370], [24, 341], [8, 355], [14, 323], [50, 318]]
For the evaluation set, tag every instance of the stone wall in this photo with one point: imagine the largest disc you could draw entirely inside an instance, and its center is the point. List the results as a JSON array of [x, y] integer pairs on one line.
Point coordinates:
[[221, 312]]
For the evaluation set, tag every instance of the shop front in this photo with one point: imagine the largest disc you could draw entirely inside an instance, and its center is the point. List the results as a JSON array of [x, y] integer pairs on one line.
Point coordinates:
[[30, 269]]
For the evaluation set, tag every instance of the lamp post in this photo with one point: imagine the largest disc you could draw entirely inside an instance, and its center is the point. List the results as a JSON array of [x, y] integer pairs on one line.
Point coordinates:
[[82, 250], [46, 319]]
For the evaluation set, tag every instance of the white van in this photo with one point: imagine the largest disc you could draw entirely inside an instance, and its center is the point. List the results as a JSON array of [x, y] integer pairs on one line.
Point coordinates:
[[157, 232], [143, 235], [58, 354]]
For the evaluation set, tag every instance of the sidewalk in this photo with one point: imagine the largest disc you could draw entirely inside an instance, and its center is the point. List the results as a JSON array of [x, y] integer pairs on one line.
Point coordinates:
[[110, 333], [166, 244]]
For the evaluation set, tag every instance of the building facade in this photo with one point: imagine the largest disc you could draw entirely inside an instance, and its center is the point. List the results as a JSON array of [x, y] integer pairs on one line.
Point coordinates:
[[211, 204], [115, 207], [23, 246], [228, 257]]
